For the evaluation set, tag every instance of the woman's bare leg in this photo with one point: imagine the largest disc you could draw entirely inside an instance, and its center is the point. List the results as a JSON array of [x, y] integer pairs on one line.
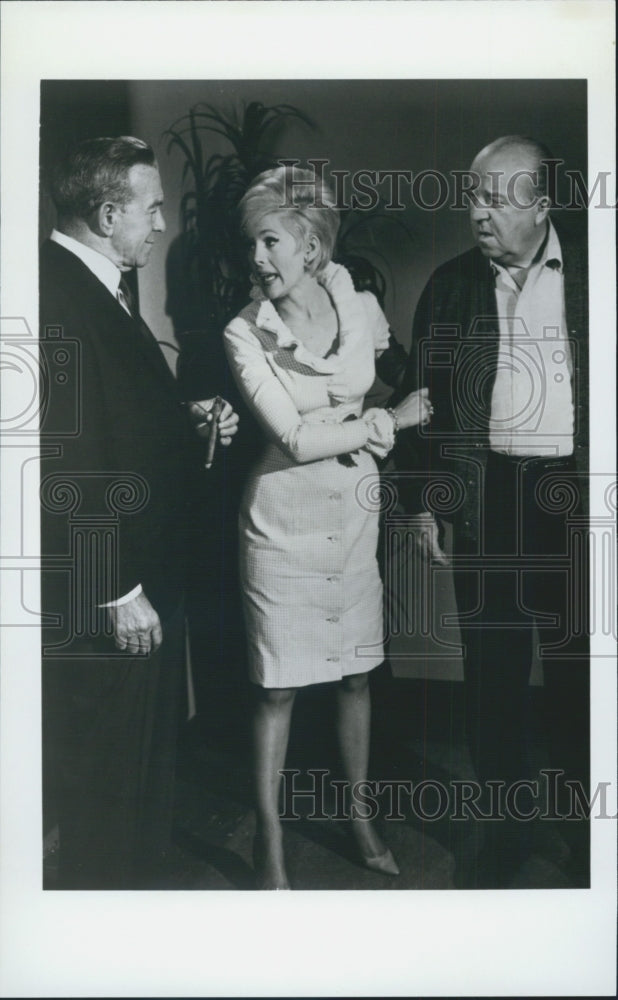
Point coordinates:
[[271, 730], [353, 731]]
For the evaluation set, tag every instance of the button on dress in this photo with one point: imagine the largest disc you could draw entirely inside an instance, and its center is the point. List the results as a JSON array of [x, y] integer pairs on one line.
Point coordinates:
[[312, 594]]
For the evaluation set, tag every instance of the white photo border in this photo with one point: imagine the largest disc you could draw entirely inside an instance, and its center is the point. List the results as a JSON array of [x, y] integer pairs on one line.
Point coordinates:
[[310, 943]]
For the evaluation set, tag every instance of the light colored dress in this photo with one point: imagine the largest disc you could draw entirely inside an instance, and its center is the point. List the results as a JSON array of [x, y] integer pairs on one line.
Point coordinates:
[[308, 523]]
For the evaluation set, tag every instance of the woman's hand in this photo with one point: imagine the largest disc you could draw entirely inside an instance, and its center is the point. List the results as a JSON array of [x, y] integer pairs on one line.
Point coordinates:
[[414, 409], [381, 431]]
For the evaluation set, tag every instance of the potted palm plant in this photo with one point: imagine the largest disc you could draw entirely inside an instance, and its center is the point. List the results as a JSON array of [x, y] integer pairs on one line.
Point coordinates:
[[209, 282]]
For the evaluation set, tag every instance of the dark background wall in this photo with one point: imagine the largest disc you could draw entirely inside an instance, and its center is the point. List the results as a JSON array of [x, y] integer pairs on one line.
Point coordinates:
[[360, 124], [72, 110], [381, 125]]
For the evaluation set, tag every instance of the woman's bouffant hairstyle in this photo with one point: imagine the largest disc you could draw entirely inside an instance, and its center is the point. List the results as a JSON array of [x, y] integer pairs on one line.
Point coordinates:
[[303, 200], [96, 171]]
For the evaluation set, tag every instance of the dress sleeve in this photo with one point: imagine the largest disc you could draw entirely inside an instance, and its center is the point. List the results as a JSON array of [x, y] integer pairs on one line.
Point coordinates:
[[275, 409], [377, 324]]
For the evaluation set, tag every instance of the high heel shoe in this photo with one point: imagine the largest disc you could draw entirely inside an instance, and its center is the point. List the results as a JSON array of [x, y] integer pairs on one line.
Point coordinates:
[[264, 880], [384, 863]]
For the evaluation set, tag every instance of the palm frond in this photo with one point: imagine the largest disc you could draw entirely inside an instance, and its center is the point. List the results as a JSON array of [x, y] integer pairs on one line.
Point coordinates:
[[217, 263]]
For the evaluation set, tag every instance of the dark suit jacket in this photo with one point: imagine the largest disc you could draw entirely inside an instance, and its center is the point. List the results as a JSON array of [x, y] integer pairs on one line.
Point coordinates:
[[116, 451], [454, 354]]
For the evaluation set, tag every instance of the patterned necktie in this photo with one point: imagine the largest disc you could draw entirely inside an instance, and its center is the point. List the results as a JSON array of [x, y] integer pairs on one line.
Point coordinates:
[[150, 342], [125, 298]]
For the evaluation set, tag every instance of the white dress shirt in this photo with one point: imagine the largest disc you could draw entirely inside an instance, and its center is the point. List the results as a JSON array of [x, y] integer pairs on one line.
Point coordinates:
[[532, 399], [109, 275]]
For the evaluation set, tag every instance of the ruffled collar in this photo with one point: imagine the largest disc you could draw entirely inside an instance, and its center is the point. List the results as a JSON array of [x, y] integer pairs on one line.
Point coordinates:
[[338, 283]]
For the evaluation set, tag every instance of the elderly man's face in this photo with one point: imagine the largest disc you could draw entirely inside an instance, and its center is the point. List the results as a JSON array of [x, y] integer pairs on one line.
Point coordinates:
[[136, 222], [508, 220]]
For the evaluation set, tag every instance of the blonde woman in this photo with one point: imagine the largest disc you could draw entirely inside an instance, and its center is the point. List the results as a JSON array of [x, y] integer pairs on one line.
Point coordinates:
[[303, 354]]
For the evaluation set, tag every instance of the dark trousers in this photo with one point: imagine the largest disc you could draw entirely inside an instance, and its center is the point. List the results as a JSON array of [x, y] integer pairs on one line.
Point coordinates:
[[533, 573], [110, 728]]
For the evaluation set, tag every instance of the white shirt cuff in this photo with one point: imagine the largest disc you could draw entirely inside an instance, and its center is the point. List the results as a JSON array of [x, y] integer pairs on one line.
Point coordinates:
[[125, 599]]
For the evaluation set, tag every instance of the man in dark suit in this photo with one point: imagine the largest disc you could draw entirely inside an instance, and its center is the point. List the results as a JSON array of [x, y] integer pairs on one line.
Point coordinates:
[[500, 340], [118, 454]]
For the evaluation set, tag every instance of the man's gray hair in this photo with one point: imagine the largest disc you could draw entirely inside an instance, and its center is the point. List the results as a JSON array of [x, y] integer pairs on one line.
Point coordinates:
[[536, 156], [97, 171]]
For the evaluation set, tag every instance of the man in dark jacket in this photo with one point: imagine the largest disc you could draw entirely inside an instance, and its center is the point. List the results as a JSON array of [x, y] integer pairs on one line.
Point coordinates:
[[501, 341], [118, 453]]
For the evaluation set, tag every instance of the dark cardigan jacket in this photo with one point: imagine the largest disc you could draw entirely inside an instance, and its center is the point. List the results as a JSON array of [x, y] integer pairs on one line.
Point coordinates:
[[454, 354]]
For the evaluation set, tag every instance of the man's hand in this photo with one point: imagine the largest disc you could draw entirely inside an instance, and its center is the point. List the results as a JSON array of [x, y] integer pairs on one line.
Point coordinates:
[[425, 531], [414, 409], [227, 423], [136, 626]]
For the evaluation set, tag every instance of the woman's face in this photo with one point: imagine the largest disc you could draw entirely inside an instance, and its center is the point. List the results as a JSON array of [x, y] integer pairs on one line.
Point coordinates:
[[277, 260]]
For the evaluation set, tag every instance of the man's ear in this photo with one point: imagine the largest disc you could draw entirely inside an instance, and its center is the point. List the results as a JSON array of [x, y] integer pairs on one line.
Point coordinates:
[[105, 218], [543, 207]]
